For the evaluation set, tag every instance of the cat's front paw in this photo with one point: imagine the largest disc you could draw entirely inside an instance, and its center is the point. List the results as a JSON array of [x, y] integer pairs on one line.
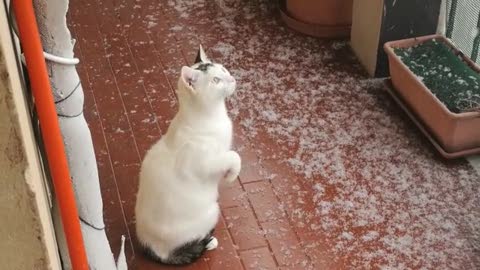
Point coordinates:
[[235, 165]]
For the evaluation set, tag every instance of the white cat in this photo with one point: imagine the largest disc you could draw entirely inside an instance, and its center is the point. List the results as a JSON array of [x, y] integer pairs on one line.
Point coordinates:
[[177, 209]]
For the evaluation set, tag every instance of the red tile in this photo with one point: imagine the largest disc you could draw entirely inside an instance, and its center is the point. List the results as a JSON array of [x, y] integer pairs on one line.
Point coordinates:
[[299, 267], [232, 195], [112, 113], [127, 181], [127, 154], [188, 42], [264, 201], [108, 101], [139, 111], [244, 228], [267, 148], [143, 263], [200, 264], [243, 147], [284, 244], [251, 168], [258, 259], [251, 172], [104, 8], [114, 217], [157, 86], [283, 185], [165, 115], [322, 256], [284, 180], [302, 213], [221, 224], [100, 75], [170, 54], [225, 256]]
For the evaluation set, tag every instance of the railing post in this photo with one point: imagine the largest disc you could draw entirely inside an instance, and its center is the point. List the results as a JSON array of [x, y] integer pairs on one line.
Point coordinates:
[[476, 41], [451, 18]]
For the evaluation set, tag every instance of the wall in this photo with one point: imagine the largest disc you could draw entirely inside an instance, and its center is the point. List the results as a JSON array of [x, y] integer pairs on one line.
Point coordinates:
[[28, 240], [366, 22], [376, 22]]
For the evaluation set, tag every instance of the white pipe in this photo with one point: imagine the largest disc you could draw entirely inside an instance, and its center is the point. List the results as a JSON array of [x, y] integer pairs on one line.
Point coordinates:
[[61, 60], [50, 57], [56, 37]]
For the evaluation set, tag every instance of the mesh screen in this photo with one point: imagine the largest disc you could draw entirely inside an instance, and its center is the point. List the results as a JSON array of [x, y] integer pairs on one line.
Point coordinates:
[[463, 25]]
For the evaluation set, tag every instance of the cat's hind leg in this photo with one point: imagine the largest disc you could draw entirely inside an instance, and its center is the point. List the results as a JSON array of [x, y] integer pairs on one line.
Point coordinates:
[[187, 253], [183, 255]]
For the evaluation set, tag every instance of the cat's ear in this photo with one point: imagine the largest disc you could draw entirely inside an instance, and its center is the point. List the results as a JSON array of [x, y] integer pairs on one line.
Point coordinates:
[[201, 56], [189, 77]]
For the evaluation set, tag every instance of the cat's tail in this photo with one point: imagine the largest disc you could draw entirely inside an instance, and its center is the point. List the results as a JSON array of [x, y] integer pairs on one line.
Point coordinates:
[[185, 254]]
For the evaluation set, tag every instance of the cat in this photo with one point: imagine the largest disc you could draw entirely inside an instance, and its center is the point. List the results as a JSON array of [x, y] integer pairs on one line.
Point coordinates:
[[176, 209]]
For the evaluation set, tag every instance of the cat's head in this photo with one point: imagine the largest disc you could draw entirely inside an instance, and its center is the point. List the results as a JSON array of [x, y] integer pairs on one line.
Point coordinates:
[[206, 81]]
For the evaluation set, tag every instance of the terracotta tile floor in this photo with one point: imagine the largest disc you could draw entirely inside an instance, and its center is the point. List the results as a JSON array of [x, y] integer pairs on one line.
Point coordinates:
[[334, 177]]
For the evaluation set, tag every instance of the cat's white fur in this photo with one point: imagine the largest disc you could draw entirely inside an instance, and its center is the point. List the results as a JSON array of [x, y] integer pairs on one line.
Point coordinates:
[[179, 177]]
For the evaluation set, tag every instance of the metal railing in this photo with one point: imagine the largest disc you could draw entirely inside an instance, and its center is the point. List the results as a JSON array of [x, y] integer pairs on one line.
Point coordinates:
[[463, 26]]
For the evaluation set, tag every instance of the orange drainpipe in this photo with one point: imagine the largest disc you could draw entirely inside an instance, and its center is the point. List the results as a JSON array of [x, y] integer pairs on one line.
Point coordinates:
[[47, 114]]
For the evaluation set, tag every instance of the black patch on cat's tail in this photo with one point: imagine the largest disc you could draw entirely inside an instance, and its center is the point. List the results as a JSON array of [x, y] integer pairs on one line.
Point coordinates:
[[185, 254]]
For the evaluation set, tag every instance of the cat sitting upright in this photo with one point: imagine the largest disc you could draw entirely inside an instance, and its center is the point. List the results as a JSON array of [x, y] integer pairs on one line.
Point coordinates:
[[177, 209]]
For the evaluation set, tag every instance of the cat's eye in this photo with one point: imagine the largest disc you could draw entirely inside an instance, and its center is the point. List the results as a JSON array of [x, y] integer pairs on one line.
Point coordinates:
[[216, 79]]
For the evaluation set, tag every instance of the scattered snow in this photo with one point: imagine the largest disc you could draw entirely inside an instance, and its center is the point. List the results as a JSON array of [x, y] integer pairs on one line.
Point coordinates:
[[151, 24], [382, 197]]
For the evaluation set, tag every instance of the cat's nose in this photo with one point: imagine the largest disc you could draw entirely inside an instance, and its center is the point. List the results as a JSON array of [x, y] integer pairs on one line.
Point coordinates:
[[231, 79]]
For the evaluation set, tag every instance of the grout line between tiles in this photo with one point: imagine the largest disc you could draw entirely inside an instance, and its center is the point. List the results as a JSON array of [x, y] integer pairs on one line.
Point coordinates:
[[259, 225], [108, 152], [152, 111], [131, 131]]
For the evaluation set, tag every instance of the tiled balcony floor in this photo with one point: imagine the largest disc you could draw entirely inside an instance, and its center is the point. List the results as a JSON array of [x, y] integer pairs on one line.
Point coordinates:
[[335, 176]]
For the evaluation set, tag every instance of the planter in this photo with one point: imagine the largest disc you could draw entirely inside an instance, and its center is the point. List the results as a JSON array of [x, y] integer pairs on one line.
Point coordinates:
[[456, 133], [319, 18]]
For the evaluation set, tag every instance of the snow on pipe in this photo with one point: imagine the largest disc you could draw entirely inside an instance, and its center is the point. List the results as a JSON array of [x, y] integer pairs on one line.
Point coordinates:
[[76, 141], [48, 56], [61, 60]]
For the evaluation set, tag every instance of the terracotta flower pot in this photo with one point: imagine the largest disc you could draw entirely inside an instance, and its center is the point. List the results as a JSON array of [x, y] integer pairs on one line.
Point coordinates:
[[320, 18], [457, 134]]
